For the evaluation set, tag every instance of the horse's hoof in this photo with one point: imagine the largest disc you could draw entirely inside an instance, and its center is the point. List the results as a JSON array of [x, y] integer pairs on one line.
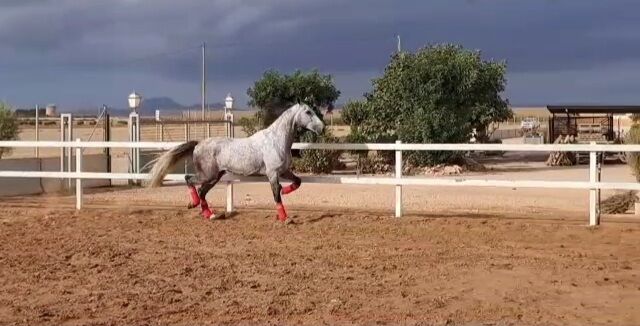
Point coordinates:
[[206, 214], [218, 216], [282, 219]]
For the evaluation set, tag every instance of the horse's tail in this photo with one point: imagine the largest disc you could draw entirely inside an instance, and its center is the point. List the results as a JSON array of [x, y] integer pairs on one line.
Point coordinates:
[[166, 161]]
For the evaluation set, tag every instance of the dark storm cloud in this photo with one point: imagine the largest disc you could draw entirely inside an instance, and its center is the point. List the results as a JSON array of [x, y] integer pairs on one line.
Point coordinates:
[[110, 40]]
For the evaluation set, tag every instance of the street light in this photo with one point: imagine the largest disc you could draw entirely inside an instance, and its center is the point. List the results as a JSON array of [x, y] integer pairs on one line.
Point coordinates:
[[134, 101]]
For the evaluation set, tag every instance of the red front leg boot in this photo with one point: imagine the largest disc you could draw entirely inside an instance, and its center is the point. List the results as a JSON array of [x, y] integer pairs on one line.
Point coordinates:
[[195, 199], [282, 214], [289, 189]]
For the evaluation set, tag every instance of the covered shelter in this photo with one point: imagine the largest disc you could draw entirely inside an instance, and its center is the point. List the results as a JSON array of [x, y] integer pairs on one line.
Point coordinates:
[[587, 122]]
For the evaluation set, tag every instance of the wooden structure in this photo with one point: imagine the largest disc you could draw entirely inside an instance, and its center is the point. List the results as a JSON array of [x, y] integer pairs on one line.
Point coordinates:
[[587, 122]]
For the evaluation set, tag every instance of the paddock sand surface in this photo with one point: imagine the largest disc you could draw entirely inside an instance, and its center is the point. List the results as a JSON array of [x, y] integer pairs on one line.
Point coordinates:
[[123, 262]]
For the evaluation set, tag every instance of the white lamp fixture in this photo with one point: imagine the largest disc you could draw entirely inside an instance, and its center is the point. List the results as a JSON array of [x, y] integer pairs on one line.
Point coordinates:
[[134, 101], [228, 102]]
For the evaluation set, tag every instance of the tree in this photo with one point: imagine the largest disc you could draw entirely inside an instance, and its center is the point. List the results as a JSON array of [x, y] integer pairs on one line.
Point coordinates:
[[8, 126], [275, 92], [436, 95]]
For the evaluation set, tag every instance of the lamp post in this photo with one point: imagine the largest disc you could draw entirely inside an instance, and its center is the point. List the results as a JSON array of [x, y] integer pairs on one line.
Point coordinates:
[[134, 100], [228, 117]]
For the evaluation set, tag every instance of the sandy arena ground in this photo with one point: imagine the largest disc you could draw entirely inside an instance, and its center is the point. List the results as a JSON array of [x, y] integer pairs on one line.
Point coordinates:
[[128, 259]]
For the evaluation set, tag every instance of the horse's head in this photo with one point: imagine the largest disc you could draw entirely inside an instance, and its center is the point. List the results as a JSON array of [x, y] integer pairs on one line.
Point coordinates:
[[306, 118]]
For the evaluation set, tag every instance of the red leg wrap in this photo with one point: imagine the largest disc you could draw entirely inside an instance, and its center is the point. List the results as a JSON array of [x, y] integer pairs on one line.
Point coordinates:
[[282, 214], [206, 211], [195, 199], [290, 188]]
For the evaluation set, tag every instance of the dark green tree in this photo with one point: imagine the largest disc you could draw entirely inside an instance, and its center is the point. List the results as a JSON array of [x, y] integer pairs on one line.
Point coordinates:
[[8, 126], [275, 92], [436, 95]]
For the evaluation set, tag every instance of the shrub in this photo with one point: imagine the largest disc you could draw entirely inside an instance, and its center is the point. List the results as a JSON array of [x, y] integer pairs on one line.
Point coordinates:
[[250, 125], [633, 137], [317, 161], [8, 126]]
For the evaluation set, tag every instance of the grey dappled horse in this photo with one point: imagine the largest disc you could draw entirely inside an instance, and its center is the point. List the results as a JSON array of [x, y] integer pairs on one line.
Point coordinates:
[[267, 152]]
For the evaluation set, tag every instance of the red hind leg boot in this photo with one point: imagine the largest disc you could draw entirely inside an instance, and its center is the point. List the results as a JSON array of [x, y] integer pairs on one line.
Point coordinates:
[[206, 211], [195, 199]]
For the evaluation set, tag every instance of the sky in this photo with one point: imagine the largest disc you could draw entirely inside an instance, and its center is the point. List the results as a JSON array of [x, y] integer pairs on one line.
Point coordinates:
[[82, 54]]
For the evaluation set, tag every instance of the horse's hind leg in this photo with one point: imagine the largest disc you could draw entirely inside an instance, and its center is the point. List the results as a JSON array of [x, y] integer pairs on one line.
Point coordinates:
[[202, 194], [192, 180]]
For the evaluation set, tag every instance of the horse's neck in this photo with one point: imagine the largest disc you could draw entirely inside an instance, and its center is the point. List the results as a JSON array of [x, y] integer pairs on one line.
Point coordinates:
[[284, 127]]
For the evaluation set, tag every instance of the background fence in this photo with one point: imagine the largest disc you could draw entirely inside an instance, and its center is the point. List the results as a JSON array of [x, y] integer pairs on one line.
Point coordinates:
[[594, 185]]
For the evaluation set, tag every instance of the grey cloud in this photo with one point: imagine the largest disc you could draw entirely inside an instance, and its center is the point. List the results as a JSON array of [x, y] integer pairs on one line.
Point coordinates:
[[159, 38]]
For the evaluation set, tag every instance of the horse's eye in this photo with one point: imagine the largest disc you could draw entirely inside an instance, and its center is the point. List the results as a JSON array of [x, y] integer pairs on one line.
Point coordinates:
[[309, 113]]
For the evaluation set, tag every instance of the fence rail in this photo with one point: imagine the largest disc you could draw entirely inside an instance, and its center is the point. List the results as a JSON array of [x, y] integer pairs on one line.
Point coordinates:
[[594, 185]]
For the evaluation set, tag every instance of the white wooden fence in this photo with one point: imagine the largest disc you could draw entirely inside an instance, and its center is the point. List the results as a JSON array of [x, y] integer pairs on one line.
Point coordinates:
[[594, 185]]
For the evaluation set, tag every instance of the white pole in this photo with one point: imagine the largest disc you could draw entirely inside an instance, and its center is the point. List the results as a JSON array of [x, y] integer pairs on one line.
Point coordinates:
[[134, 136], [594, 214], [398, 176], [62, 119], [204, 79], [78, 180], [138, 133], [229, 118], [69, 150], [186, 139], [37, 129]]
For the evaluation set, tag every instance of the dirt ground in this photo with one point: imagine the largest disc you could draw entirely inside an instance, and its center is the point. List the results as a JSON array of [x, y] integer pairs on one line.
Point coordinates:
[[112, 265]]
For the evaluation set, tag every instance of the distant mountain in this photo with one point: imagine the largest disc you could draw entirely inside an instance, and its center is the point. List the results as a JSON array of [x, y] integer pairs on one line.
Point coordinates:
[[165, 105], [150, 105]]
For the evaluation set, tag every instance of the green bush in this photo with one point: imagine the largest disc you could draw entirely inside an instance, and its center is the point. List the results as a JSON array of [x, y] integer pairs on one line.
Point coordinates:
[[8, 126], [250, 125], [317, 161]]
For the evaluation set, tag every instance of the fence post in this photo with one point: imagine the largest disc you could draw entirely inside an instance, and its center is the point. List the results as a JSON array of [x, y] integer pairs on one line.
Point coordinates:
[[398, 176], [107, 137], [66, 134], [186, 139], [134, 136], [37, 129], [78, 171], [594, 205], [228, 117]]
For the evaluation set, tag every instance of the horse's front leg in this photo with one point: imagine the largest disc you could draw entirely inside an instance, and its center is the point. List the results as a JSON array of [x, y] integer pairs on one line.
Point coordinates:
[[292, 187], [276, 188]]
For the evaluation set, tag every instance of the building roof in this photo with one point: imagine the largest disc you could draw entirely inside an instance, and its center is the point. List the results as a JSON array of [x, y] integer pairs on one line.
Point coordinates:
[[576, 109]]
